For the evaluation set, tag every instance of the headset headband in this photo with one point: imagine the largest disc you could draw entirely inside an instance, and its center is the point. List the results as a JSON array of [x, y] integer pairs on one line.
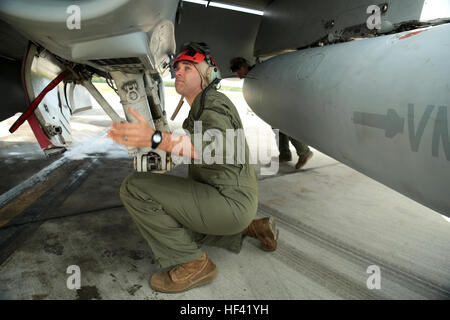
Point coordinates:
[[195, 52]]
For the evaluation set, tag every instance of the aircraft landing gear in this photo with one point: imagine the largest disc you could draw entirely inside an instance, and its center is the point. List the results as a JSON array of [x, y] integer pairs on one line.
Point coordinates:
[[144, 93], [153, 161]]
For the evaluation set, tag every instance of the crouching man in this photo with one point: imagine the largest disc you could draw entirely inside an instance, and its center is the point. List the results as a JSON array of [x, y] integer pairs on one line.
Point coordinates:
[[215, 205]]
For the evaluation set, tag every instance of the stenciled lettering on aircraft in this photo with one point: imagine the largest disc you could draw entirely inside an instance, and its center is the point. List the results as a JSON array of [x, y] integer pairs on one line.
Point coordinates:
[[415, 136], [440, 133], [393, 124]]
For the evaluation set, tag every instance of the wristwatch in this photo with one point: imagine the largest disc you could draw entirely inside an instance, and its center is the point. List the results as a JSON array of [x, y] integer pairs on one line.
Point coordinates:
[[156, 139]]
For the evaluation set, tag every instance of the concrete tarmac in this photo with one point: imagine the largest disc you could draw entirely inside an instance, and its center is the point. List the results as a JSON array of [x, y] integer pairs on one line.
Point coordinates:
[[342, 234]]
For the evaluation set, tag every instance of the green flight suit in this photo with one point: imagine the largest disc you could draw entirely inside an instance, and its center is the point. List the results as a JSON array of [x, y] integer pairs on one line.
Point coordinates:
[[212, 206]]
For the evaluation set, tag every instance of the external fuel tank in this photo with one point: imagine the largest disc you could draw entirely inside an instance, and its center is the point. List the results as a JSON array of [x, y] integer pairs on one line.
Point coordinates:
[[379, 105]]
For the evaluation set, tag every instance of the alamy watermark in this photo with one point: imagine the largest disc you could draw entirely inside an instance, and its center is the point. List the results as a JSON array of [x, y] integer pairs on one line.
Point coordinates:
[[74, 280], [374, 280], [73, 21], [374, 20], [214, 147]]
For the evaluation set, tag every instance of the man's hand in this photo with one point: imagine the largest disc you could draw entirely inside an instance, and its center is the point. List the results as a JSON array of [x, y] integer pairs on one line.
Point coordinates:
[[134, 134], [139, 135]]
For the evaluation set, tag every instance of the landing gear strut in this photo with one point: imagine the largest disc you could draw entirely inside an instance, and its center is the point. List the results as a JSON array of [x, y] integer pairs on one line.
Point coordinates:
[[144, 93]]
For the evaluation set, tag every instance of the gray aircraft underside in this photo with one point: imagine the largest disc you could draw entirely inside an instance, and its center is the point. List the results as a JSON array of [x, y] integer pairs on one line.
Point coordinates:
[[373, 96]]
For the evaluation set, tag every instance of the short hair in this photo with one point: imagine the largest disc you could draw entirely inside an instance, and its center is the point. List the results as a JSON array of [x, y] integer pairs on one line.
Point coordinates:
[[237, 63]]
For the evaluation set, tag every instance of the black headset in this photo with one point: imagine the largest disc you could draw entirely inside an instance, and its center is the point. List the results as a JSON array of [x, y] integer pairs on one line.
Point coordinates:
[[199, 47]]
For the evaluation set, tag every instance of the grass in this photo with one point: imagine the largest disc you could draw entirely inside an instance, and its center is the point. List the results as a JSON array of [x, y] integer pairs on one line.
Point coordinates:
[[224, 88]]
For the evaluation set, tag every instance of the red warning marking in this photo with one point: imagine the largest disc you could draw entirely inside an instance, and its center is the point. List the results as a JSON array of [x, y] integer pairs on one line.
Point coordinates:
[[411, 34]]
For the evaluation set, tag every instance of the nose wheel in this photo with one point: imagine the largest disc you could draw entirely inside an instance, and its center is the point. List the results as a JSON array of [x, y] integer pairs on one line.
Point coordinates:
[[156, 161]]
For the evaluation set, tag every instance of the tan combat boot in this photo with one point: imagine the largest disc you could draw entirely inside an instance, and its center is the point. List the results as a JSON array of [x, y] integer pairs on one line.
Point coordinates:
[[265, 231], [185, 276]]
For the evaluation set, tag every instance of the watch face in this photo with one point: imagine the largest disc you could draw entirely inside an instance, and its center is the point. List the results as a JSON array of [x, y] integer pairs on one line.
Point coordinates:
[[157, 138]]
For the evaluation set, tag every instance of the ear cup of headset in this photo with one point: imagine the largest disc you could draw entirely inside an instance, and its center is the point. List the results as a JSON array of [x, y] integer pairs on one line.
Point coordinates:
[[212, 73]]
